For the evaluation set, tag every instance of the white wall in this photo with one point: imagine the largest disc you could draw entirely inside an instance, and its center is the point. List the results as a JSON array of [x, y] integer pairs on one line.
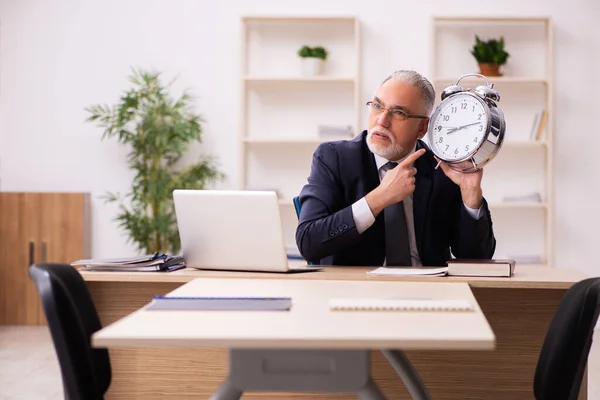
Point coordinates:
[[56, 57]]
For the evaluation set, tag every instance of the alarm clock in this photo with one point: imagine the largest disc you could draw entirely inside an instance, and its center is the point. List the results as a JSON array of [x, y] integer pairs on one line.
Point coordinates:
[[467, 128]]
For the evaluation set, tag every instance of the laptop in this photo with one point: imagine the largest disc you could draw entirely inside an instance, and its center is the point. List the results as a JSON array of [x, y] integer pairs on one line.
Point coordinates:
[[237, 230]]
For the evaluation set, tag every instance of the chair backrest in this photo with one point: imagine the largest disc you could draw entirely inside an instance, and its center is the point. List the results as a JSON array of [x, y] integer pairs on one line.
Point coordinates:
[[565, 350], [72, 318], [297, 207]]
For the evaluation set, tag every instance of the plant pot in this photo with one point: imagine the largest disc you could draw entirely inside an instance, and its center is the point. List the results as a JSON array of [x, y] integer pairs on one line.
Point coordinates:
[[312, 66], [489, 69]]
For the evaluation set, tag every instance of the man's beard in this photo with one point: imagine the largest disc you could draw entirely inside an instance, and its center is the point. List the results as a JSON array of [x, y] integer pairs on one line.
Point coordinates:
[[391, 151]]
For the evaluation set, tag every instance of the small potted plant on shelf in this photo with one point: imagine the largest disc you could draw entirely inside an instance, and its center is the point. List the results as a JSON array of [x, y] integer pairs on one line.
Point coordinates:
[[490, 55], [313, 59]]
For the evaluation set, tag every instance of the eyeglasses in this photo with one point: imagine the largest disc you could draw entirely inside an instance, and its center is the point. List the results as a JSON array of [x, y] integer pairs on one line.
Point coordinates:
[[396, 113]]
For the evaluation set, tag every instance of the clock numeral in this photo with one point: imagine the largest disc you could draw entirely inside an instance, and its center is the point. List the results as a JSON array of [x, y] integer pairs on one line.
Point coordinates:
[[480, 128], [447, 147], [441, 139], [453, 110], [446, 118], [456, 150], [475, 140], [479, 117], [467, 148], [439, 128], [473, 108], [463, 106]]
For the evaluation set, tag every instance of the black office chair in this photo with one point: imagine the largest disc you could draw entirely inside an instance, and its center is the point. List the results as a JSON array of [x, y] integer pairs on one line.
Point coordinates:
[[565, 351], [72, 319]]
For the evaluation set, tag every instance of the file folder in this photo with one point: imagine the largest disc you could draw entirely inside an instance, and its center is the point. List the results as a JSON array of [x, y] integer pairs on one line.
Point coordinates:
[[221, 303]]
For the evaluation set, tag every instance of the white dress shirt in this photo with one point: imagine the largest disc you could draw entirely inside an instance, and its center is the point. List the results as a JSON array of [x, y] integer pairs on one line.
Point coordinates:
[[363, 217]]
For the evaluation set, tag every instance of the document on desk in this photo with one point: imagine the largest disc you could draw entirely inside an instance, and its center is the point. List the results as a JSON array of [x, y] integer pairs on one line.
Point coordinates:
[[409, 271], [399, 304], [221, 303]]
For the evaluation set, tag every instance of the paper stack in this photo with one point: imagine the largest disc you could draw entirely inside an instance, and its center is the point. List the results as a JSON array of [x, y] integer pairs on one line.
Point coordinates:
[[149, 263]]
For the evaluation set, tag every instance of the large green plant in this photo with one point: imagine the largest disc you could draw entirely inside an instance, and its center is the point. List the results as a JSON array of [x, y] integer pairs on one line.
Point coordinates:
[[489, 52], [157, 129]]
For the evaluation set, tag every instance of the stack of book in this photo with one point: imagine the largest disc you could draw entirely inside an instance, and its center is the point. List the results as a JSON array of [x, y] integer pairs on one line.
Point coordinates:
[[156, 262]]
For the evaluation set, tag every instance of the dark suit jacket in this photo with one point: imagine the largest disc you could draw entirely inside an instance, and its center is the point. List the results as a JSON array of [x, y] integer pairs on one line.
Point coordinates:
[[342, 172]]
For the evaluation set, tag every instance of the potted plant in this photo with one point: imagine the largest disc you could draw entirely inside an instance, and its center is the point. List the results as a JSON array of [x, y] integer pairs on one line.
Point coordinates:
[[313, 59], [157, 129], [490, 55]]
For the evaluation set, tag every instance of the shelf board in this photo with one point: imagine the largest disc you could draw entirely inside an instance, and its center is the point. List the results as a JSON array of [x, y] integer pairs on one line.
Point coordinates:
[[291, 140], [517, 204], [488, 19], [492, 79], [299, 18], [287, 203], [293, 79], [267, 140], [524, 143]]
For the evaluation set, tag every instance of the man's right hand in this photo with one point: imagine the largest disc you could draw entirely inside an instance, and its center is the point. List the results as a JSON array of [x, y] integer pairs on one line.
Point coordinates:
[[396, 185]]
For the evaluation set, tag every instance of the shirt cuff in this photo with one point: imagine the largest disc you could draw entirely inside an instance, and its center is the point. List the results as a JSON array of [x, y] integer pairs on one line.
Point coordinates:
[[362, 215], [474, 212]]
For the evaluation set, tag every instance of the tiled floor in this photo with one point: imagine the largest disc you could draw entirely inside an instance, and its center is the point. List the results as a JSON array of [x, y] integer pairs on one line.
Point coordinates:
[[28, 366], [29, 369]]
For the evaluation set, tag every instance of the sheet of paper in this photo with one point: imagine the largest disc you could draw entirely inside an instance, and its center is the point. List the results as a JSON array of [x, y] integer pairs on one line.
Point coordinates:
[[409, 271], [362, 304]]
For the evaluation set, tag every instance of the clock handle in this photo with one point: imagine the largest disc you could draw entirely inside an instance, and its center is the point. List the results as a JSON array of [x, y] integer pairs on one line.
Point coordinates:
[[482, 76], [486, 92]]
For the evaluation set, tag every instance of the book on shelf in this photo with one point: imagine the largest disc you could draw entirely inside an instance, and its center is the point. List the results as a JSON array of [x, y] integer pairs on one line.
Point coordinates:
[[540, 120], [156, 262], [455, 267], [335, 131], [534, 197]]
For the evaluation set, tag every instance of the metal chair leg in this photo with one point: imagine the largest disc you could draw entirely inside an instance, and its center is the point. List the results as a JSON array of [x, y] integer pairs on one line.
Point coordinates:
[[408, 374], [370, 392], [227, 392]]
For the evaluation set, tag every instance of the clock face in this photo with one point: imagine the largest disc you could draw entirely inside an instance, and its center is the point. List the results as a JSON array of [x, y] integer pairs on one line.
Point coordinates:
[[458, 127]]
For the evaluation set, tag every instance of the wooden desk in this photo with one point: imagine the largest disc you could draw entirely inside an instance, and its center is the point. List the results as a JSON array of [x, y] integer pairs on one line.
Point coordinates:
[[518, 309], [525, 277], [335, 344]]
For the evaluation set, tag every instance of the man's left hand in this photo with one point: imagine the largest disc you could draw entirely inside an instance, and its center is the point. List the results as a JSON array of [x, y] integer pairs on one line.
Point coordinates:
[[469, 183]]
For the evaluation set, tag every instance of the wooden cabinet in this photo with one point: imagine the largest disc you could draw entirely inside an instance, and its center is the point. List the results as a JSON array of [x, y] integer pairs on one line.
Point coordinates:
[[37, 228]]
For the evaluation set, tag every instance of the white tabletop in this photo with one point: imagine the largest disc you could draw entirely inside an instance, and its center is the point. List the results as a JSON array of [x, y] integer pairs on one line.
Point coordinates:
[[310, 323]]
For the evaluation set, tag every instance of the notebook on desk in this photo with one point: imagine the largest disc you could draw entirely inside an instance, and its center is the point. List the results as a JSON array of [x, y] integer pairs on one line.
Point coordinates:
[[400, 304], [456, 267], [221, 303]]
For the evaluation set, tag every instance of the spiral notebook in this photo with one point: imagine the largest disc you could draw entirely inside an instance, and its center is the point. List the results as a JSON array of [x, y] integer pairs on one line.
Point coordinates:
[[398, 304]]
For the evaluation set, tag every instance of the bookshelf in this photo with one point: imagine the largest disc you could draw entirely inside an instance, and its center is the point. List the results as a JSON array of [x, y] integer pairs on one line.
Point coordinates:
[[524, 164], [282, 107]]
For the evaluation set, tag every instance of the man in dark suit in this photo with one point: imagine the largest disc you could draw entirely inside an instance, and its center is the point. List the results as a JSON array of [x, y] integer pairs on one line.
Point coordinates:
[[377, 199]]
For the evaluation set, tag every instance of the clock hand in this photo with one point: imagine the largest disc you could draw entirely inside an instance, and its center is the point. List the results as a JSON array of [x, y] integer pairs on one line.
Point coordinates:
[[461, 127], [474, 123]]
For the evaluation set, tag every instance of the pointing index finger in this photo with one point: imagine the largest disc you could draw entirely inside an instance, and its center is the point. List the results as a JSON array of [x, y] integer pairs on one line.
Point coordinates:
[[412, 158]]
